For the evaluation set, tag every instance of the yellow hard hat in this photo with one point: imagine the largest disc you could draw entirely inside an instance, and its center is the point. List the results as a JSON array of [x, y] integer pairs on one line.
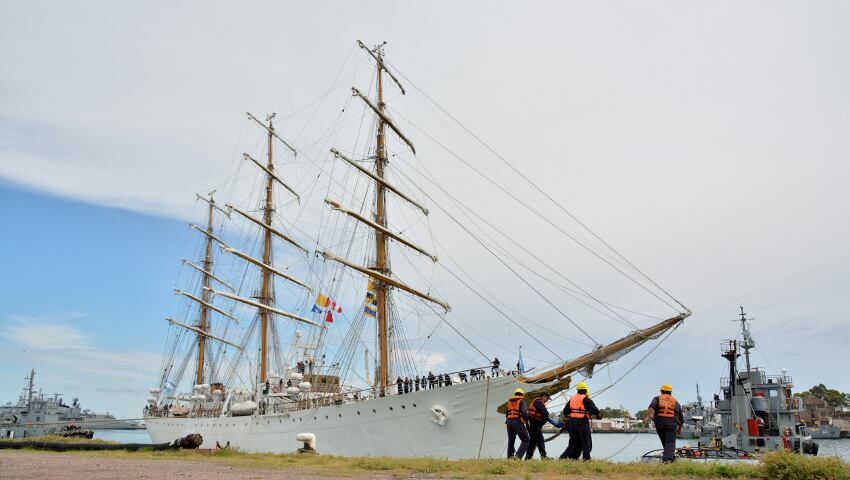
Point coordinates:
[[666, 388], [519, 391], [581, 386]]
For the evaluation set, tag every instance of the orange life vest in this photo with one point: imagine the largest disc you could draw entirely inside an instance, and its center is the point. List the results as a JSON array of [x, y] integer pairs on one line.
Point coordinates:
[[577, 406], [666, 406], [513, 407], [533, 414]]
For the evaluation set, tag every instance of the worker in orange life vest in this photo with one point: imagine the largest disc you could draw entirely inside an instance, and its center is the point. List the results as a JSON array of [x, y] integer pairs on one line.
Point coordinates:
[[666, 412], [516, 419], [577, 415], [538, 415]]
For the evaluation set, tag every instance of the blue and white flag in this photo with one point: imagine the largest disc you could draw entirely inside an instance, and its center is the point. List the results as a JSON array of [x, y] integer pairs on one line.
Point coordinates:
[[520, 365]]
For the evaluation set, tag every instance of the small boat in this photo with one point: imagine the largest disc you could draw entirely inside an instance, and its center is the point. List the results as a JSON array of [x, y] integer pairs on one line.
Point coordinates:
[[700, 453], [825, 431]]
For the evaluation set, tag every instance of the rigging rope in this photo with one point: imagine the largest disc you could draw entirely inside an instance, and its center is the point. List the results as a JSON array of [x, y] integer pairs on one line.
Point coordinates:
[[536, 187], [540, 215]]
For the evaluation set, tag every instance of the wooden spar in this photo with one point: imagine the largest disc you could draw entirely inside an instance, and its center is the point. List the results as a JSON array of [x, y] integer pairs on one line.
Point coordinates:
[[263, 307], [382, 65], [599, 355], [270, 268], [380, 111], [213, 277], [270, 128], [208, 234], [380, 277], [207, 304], [275, 231], [379, 180], [211, 203], [270, 173], [386, 231], [201, 332]]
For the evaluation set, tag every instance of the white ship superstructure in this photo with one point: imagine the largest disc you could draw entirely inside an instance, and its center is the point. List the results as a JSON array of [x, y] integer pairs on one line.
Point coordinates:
[[276, 356]]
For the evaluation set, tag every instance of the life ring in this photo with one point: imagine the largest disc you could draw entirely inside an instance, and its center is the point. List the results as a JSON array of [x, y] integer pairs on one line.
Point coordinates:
[[276, 389]]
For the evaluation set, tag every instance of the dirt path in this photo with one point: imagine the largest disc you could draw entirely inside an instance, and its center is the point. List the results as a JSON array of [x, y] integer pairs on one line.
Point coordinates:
[[38, 466]]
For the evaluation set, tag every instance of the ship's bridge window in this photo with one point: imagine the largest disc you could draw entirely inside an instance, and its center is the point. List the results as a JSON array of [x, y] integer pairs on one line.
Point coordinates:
[[774, 393]]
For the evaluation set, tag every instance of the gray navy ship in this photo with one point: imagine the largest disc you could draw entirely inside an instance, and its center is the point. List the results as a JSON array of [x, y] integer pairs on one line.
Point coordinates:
[[36, 414], [758, 411]]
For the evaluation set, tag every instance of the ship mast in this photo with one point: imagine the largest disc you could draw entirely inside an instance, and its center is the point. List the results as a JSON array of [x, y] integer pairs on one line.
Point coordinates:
[[748, 339], [265, 293], [29, 388], [205, 295], [380, 272], [381, 266]]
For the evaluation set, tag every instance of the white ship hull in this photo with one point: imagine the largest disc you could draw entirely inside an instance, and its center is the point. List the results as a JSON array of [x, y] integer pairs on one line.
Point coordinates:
[[397, 426]]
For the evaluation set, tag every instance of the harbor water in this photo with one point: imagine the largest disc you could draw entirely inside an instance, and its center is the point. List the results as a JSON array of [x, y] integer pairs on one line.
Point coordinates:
[[615, 447]]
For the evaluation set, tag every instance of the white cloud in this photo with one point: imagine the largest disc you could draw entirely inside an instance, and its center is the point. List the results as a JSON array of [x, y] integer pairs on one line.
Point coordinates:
[[69, 349], [430, 360], [36, 334]]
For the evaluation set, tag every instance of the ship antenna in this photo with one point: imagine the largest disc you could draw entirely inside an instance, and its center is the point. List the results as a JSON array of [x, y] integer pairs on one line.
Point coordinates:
[[748, 342]]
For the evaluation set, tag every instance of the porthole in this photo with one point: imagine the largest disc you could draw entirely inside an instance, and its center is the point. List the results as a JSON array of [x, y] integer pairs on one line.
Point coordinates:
[[314, 418], [391, 408], [402, 407], [340, 415], [326, 417], [358, 412], [374, 411], [414, 405]]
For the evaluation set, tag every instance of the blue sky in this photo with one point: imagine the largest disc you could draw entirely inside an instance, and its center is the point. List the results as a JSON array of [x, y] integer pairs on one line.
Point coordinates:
[[85, 289]]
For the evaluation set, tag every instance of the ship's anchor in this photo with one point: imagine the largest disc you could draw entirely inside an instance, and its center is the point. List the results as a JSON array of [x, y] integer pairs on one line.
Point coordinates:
[[439, 415]]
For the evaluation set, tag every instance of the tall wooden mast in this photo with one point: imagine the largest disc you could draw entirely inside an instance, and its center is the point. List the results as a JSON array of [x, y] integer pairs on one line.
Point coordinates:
[[379, 272], [205, 295], [381, 266], [265, 293]]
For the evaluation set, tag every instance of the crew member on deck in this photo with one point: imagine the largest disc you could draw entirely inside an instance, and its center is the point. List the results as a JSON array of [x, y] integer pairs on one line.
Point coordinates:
[[666, 412], [577, 414], [516, 418], [538, 415]]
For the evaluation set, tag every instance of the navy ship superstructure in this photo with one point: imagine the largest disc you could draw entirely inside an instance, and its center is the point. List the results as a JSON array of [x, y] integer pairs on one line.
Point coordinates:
[[757, 411]]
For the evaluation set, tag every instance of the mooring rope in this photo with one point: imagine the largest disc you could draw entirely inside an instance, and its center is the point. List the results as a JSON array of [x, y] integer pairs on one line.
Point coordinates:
[[484, 424]]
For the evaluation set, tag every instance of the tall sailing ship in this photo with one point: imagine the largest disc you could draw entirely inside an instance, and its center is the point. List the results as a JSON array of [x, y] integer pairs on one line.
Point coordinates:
[[256, 316]]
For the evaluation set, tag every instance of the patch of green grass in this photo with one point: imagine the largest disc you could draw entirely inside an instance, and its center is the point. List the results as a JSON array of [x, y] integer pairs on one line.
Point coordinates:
[[786, 466], [781, 466]]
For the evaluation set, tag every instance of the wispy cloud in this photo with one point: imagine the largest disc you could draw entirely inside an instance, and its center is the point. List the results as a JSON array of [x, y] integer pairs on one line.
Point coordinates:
[[74, 350], [430, 360], [36, 334]]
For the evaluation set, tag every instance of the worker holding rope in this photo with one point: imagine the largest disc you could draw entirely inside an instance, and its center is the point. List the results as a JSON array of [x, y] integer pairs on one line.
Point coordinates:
[[666, 412], [538, 415], [577, 414]]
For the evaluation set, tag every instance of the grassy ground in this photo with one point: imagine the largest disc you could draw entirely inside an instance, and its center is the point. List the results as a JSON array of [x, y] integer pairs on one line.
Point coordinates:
[[781, 466]]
